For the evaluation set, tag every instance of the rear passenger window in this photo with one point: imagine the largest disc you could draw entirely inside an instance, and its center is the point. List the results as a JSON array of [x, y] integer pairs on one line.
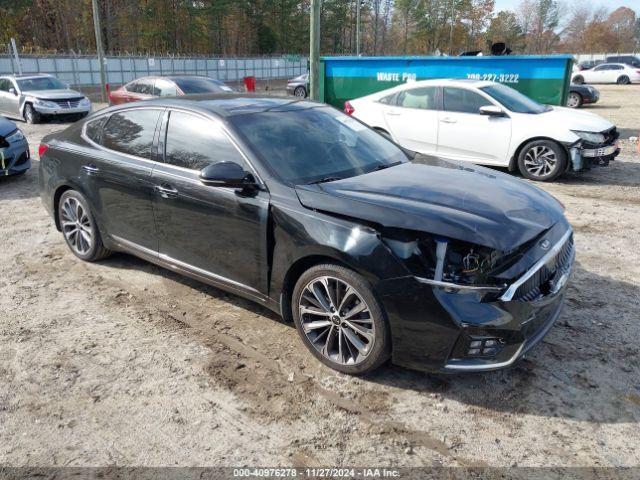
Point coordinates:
[[131, 132], [463, 101], [94, 128], [422, 98], [194, 142]]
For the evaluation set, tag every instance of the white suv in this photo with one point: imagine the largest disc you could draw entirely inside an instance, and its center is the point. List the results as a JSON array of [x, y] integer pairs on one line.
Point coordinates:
[[490, 124]]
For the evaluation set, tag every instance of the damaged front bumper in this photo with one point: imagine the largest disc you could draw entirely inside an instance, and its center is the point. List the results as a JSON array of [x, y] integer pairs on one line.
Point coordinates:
[[15, 158], [441, 328], [584, 155]]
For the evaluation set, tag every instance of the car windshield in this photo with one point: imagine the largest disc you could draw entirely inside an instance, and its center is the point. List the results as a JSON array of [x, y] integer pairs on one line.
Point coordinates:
[[40, 83], [201, 85], [513, 100], [313, 144]]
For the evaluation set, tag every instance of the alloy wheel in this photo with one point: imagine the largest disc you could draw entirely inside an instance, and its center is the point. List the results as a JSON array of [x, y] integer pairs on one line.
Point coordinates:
[[300, 92], [336, 320], [540, 161], [76, 225]]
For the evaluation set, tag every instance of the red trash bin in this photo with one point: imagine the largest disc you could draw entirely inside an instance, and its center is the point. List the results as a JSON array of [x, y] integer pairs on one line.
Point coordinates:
[[250, 84]]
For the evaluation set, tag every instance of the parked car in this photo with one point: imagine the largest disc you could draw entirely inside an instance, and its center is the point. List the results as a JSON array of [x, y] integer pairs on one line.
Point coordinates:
[[589, 64], [372, 252], [36, 97], [490, 124], [608, 73], [298, 86], [14, 149], [150, 87], [630, 60], [582, 95]]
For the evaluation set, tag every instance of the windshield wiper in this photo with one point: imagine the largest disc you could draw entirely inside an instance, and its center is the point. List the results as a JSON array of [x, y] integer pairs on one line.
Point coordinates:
[[383, 166], [324, 180]]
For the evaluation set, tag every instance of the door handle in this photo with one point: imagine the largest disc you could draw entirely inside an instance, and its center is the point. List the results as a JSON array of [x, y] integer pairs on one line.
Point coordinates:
[[166, 191], [90, 169], [448, 120], [393, 112]]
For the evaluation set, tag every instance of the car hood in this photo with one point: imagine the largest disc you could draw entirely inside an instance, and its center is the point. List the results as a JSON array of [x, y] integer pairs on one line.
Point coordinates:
[[576, 119], [463, 202], [6, 127], [54, 94]]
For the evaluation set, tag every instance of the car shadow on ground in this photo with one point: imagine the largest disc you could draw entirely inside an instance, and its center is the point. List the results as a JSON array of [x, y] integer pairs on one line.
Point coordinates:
[[585, 369], [20, 187]]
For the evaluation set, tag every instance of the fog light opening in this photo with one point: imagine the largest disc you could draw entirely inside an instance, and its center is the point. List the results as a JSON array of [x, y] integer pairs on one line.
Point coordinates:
[[487, 347]]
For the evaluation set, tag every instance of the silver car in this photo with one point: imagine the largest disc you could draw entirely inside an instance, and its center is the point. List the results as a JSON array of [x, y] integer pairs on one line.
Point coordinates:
[[33, 97]]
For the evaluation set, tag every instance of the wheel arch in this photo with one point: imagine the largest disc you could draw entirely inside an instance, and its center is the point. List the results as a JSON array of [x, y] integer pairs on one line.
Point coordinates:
[[513, 163], [295, 271]]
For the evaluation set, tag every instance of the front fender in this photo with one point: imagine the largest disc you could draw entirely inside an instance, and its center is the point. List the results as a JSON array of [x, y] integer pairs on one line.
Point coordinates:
[[300, 234]]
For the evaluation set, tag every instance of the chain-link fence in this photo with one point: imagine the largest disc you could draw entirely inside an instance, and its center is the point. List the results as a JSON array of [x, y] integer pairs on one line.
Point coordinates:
[[83, 71], [588, 57]]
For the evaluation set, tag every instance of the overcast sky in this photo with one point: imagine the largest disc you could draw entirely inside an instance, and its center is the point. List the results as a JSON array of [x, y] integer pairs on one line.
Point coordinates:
[[611, 4]]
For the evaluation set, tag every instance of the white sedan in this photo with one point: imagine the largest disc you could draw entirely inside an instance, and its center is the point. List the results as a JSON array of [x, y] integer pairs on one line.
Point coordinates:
[[619, 73], [490, 124]]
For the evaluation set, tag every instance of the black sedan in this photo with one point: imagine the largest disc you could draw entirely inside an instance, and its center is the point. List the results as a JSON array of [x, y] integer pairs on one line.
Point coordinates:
[[372, 252], [582, 95]]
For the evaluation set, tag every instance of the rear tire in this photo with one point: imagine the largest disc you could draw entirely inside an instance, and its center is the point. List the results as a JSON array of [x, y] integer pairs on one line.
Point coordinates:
[[300, 92], [623, 80], [542, 160], [575, 100], [30, 114], [323, 304], [79, 227], [578, 80]]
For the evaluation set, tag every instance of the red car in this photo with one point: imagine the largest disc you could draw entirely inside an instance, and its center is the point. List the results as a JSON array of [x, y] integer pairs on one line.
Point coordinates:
[[151, 87]]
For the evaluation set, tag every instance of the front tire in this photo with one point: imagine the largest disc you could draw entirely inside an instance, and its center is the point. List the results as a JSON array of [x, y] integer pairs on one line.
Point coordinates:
[[623, 80], [340, 320], [542, 160], [575, 100], [79, 227], [578, 80], [31, 115]]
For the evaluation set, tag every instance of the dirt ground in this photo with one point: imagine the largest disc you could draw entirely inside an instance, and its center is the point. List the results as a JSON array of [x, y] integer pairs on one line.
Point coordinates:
[[124, 363]]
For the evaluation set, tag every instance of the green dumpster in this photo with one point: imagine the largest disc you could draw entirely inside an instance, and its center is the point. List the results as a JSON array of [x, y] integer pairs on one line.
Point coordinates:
[[544, 78]]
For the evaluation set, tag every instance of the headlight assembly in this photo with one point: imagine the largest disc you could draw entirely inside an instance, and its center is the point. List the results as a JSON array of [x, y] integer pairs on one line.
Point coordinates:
[[15, 136], [446, 263], [85, 102], [45, 103], [590, 137]]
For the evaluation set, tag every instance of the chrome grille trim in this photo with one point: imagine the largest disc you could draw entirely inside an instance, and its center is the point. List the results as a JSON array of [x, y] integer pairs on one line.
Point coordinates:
[[552, 253]]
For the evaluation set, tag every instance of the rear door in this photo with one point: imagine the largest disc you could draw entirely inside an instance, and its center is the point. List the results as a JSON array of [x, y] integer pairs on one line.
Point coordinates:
[[119, 177], [465, 134], [597, 74], [215, 232], [412, 118]]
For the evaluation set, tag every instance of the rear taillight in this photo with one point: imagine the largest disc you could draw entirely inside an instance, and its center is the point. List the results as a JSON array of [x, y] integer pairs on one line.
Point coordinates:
[[42, 149], [348, 108]]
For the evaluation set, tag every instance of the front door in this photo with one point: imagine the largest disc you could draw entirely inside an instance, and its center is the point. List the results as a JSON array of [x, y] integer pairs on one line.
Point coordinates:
[[216, 232], [9, 102], [413, 119], [465, 134]]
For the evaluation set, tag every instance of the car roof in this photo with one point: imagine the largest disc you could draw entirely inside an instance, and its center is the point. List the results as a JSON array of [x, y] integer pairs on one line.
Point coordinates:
[[438, 82], [27, 75], [226, 104]]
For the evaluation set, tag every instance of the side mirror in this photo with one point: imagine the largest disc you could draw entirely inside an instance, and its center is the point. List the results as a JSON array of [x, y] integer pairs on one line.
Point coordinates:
[[13, 91], [492, 111], [226, 174]]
